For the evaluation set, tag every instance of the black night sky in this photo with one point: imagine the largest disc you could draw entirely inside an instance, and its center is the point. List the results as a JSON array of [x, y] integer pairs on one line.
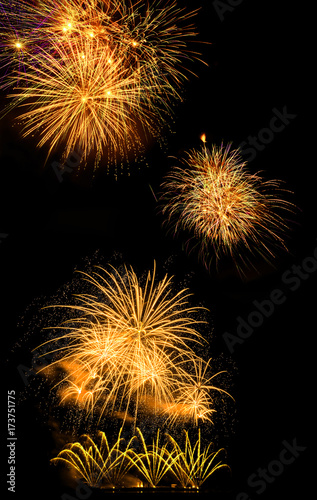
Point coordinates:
[[257, 63]]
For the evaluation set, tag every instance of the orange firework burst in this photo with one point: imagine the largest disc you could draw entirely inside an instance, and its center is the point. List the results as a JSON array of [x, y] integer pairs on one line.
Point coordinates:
[[95, 76], [226, 208], [132, 346]]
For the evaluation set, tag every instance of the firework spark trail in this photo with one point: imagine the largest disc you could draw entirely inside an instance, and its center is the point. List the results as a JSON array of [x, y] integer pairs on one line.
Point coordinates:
[[132, 345], [154, 461], [97, 463], [224, 207], [99, 76], [194, 463]]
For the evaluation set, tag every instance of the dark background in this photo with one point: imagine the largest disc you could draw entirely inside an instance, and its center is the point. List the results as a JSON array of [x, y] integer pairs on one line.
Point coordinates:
[[258, 60]]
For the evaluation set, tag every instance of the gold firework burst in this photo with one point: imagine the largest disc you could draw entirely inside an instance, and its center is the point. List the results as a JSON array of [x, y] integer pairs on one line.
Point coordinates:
[[131, 345], [228, 210], [96, 77], [84, 97]]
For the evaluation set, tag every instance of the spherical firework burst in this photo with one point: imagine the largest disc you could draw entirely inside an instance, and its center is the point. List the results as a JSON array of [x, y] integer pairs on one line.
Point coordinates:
[[99, 77], [130, 347], [84, 97], [228, 210]]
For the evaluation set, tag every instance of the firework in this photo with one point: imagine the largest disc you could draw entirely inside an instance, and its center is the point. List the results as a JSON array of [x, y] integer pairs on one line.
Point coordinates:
[[16, 38], [36, 26], [97, 463], [193, 399], [93, 76], [135, 341], [154, 461], [156, 38], [194, 464], [228, 210], [86, 99], [129, 345], [100, 465]]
